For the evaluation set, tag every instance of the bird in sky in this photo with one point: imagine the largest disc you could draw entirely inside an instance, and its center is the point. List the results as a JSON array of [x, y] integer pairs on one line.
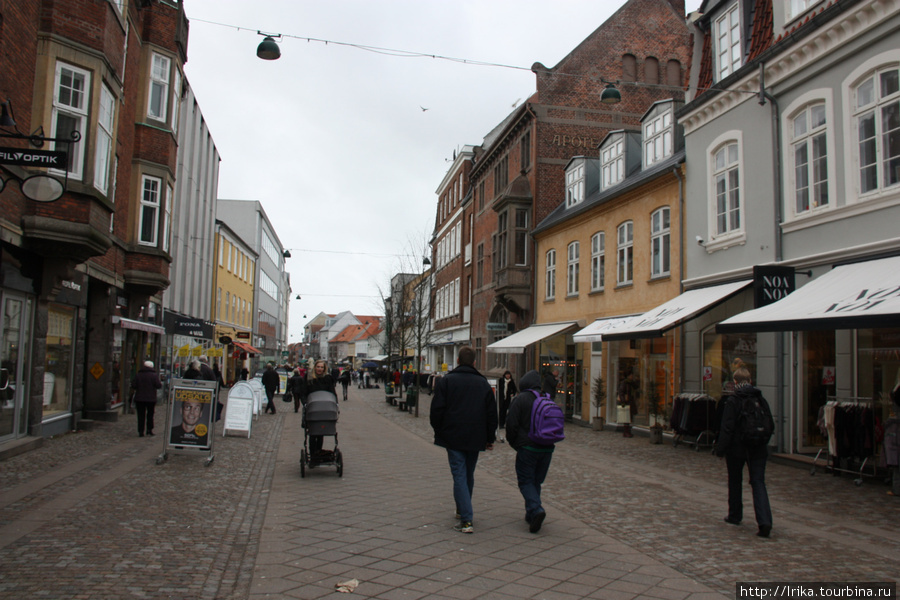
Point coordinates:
[[423, 108]]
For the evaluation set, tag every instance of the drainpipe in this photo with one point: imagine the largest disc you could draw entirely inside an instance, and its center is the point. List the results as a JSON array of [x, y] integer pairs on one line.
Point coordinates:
[[781, 397], [677, 174]]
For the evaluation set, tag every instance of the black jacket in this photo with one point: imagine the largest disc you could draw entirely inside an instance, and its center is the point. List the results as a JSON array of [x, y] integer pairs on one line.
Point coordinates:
[[464, 411], [548, 386], [295, 385], [315, 384], [145, 384], [729, 440], [518, 420], [271, 381]]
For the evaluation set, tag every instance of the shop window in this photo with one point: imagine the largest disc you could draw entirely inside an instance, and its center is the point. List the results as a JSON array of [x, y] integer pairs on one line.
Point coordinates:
[[722, 355], [818, 381], [58, 359], [878, 365]]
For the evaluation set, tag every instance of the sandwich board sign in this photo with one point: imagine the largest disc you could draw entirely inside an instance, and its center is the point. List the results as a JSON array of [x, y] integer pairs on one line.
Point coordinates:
[[239, 409], [189, 421]]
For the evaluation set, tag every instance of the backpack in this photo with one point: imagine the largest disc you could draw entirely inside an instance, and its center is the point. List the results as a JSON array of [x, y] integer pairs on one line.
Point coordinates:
[[547, 421], [756, 423]]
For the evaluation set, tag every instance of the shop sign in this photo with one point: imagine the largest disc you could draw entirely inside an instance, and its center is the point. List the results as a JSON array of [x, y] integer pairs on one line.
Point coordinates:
[[707, 374], [184, 350], [34, 158], [771, 284], [499, 326], [243, 335], [97, 370], [827, 375], [191, 327]]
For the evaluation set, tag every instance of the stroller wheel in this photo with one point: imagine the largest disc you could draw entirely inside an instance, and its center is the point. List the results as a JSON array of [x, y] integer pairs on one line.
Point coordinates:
[[303, 463], [339, 461]]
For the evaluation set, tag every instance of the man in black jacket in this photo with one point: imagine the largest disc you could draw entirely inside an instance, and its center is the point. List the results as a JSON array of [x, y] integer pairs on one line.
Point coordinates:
[[272, 383], [464, 420], [736, 452], [532, 460]]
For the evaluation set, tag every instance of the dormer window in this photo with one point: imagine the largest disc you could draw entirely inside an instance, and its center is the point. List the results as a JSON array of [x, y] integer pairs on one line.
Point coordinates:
[[612, 161], [575, 183], [728, 43], [658, 134]]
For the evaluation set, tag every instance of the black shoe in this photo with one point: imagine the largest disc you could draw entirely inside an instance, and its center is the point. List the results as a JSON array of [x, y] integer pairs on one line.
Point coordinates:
[[149, 433], [536, 521], [140, 435], [731, 521], [764, 531]]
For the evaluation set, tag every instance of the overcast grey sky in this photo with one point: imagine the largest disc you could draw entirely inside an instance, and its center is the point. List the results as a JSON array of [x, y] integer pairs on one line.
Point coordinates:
[[332, 138]]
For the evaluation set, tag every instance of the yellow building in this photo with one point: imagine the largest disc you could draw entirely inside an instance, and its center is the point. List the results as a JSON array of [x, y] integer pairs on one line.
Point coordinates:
[[233, 299], [612, 250]]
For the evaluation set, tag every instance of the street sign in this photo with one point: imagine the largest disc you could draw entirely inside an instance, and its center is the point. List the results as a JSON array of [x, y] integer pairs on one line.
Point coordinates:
[[56, 159]]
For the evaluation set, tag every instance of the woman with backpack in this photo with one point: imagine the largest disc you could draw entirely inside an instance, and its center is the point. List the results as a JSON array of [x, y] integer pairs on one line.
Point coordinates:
[[532, 457], [744, 435]]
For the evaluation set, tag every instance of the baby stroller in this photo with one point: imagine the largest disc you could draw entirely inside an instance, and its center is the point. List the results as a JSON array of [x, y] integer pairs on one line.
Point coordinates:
[[320, 417]]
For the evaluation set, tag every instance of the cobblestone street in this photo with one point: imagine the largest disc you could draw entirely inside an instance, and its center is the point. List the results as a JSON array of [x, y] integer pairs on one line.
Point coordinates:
[[91, 516]]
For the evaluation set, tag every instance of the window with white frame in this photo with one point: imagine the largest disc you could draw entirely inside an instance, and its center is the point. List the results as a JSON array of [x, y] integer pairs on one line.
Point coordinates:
[[573, 254], [176, 101], [598, 261], [218, 303], [150, 196], [658, 135], [797, 7], [227, 306], [70, 113], [810, 156], [612, 162], [520, 237], [103, 146], [167, 219], [158, 102], [659, 242], [877, 118], [728, 42], [625, 256], [575, 184], [550, 273], [221, 251], [726, 178]]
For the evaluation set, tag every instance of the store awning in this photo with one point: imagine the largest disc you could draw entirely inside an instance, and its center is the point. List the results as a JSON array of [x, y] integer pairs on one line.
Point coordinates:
[[246, 347], [594, 332], [517, 342], [856, 296], [675, 312], [379, 358], [138, 325]]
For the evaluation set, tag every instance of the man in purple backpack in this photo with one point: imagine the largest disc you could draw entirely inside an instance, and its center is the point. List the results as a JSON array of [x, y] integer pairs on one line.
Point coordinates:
[[532, 458]]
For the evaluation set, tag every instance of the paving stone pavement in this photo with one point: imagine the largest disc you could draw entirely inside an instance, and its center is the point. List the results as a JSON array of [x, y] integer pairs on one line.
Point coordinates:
[[92, 516]]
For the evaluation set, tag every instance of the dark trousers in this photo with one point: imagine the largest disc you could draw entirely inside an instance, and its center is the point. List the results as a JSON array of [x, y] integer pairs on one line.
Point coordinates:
[[271, 404], [145, 412], [756, 466], [531, 470], [345, 385]]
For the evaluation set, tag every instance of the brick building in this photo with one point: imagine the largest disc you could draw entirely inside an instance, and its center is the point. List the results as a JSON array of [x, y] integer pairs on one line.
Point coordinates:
[[518, 176], [82, 272]]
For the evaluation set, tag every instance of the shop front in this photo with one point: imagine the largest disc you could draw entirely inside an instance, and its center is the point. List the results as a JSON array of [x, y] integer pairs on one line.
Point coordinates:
[[649, 357], [844, 345]]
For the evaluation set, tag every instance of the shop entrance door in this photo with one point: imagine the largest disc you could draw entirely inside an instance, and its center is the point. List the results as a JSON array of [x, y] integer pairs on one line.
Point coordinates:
[[14, 337]]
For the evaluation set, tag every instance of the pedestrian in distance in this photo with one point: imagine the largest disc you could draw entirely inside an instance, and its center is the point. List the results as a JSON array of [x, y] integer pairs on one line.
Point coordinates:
[[295, 385], [550, 381], [739, 445], [344, 378], [506, 391], [144, 385], [317, 379], [208, 373], [245, 373], [193, 371], [532, 458], [464, 420], [272, 384]]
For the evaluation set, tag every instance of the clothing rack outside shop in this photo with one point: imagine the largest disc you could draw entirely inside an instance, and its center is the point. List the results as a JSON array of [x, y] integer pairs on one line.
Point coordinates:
[[694, 416], [849, 425]]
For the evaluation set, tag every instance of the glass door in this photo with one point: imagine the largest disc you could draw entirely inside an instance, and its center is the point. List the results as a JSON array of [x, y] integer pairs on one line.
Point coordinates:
[[13, 339]]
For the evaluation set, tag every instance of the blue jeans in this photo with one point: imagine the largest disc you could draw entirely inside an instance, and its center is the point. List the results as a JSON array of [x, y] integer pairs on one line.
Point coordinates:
[[462, 468], [756, 466], [531, 470]]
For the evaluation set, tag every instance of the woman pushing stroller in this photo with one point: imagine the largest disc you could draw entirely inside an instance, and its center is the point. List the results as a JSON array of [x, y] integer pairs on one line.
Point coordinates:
[[317, 379]]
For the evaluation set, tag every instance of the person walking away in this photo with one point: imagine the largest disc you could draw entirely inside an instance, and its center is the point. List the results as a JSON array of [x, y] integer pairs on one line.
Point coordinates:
[[506, 391], [345, 381], [317, 379], [464, 420], [209, 374], [193, 371], [549, 383], [532, 459], [272, 384], [625, 397], [739, 447], [295, 384], [145, 383]]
